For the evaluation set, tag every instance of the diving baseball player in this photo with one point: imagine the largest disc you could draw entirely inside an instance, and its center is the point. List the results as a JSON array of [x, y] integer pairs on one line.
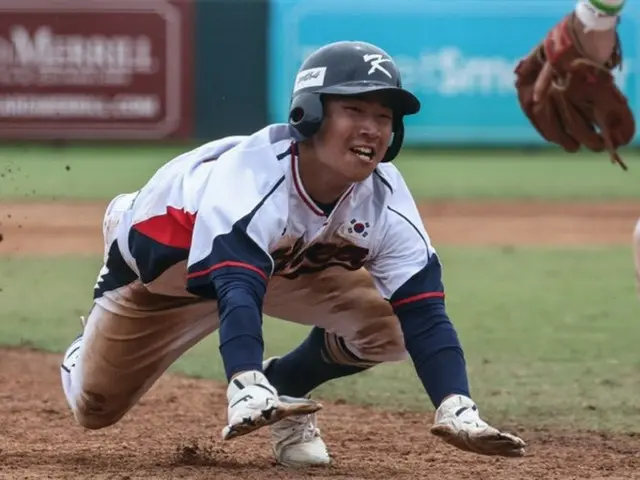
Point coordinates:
[[307, 221]]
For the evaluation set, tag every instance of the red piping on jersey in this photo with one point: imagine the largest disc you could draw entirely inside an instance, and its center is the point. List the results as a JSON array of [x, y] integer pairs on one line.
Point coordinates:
[[345, 195], [227, 264], [415, 298], [173, 228], [303, 194]]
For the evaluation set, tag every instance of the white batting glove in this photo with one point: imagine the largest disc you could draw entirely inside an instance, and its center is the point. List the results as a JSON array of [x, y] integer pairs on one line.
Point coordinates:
[[458, 423]]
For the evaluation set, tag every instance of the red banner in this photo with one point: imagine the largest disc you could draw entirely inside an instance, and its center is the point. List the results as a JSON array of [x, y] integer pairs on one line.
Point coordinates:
[[95, 69]]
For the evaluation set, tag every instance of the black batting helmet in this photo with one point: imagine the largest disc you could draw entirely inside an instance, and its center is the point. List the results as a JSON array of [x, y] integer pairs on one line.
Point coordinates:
[[349, 68]]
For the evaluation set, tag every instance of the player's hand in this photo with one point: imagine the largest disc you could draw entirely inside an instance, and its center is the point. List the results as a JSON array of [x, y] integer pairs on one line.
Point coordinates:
[[458, 423], [598, 45], [570, 95]]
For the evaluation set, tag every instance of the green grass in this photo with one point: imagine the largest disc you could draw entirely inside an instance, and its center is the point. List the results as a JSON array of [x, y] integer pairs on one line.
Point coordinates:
[[550, 335], [36, 172], [79, 172]]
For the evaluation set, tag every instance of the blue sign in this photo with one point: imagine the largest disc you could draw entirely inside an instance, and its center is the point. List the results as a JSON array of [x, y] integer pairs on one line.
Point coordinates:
[[457, 56]]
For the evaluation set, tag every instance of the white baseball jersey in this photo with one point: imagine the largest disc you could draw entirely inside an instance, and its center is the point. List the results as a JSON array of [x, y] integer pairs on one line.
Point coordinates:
[[239, 203]]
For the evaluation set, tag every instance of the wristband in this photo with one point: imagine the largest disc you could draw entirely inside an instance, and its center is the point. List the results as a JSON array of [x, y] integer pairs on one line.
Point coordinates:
[[599, 14]]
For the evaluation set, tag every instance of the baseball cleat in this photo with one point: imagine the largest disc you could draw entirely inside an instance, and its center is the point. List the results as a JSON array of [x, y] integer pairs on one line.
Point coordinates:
[[297, 442], [254, 403], [296, 439], [71, 354]]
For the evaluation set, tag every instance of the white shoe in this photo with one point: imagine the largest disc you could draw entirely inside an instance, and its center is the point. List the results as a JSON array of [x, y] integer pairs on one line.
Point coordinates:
[[458, 423], [254, 403], [296, 439], [69, 362], [71, 354], [297, 442]]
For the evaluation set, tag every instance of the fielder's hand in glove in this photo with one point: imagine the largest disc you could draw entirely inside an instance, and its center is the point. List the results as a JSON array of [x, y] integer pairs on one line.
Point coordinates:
[[457, 422], [570, 98]]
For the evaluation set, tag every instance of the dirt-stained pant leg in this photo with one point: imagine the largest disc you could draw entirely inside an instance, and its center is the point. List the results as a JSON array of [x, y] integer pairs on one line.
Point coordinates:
[[131, 337], [636, 253], [122, 356], [361, 326]]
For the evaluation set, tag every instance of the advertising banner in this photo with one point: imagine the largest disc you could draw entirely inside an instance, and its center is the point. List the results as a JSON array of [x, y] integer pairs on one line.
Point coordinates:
[[458, 56], [78, 69]]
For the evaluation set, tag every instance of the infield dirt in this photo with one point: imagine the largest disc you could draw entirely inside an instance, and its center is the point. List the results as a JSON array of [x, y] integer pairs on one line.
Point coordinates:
[[174, 431]]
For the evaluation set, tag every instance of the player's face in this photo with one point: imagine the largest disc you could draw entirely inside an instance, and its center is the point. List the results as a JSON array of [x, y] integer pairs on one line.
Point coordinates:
[[355, 135]]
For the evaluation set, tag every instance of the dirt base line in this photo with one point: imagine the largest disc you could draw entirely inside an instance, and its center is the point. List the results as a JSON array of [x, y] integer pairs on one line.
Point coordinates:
[[60, 228]]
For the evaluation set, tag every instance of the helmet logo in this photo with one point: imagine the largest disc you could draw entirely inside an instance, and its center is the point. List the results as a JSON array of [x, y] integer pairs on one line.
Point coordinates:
[[375, 60], [312, 77]]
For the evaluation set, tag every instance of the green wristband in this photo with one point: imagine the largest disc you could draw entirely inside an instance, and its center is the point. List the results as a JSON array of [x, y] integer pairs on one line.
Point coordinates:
[[607, 7]]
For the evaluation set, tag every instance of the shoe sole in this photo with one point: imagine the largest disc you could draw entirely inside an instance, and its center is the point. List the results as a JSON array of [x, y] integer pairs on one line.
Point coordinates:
[[304, 465], [288, 408]]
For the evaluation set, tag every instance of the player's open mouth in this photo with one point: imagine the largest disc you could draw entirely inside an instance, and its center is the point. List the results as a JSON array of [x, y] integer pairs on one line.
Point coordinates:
[[364, 153]]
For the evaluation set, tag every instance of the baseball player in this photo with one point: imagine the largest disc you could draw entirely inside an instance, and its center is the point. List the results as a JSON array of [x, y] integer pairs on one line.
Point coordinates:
[[308, 222], [565, 85], [567, 91]]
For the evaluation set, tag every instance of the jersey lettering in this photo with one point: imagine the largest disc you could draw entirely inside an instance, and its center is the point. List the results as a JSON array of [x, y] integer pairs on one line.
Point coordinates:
[[295, 260]]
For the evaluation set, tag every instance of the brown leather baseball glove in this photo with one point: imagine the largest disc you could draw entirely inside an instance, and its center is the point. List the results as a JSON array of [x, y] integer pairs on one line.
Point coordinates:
[[582, 105]]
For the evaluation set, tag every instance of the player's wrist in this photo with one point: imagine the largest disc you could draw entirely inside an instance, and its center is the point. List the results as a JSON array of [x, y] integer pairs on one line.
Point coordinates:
[[599, 14], [607, 7]]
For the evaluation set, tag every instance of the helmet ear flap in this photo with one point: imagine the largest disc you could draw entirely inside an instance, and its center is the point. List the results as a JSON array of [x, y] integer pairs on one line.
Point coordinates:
[[305, 113], [396, 143]]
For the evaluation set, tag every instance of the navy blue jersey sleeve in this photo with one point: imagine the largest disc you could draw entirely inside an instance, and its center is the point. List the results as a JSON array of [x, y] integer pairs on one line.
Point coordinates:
[[430, 337], [407, 271], [229, 252], [424, 285], [235, 233], [242, 213], [240, 295]]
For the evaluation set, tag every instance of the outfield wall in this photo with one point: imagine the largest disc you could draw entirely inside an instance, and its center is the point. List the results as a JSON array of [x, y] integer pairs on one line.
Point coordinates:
[[182, 69], [458, 56]]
